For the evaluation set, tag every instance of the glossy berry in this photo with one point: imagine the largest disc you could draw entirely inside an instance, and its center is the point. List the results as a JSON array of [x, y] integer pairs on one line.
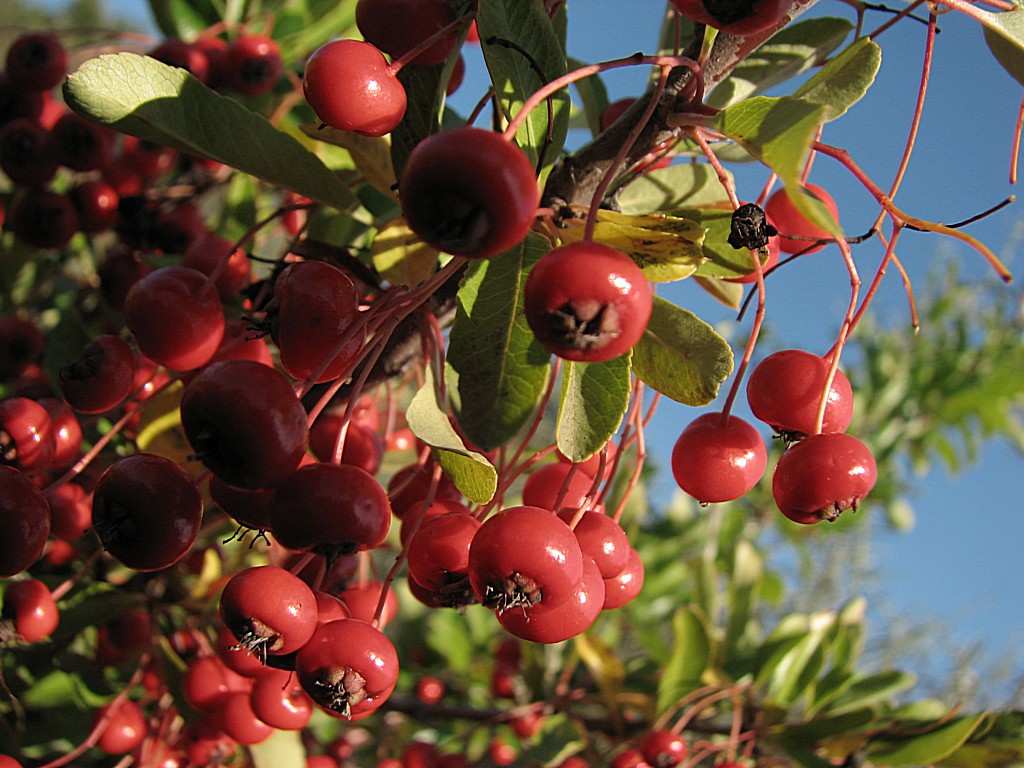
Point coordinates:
[[551, 487], [31, 609], [36, 61], [351, 87], [790, 221], [245, 423], [176, 316], [822, 475], [330, 508], [147, 511], [102, 377], [236, 716], [316, 308], [252, 64], [362, 448], [70, 511], [626, 584], [124, 727], [745, 17], [208, 681], [96, 202], [663, 749], [438, 553], [279, 701], [556, 622], [409, 486], [26, 434], [398, 26], [66, 430], [206, 253], [430, 690], [784, 391], [349, 668], [587, 302], [717, 461], [175, 52], [270, 611], [601, 539], [522, 556], [469, 192]]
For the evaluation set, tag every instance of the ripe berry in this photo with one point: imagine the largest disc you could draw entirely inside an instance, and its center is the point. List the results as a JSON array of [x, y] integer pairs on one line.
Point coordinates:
[[36, 61], [626, 584], [363, 447], [790, 221], [96, 203], [544, 486], [42, 218], [315, 307], [26, 434], [600, 538], [398, 26], [147, 511], [587, 302], [67, 432], [252, 65], [548, 622], [269, 611], [26, 153], [468, 192], [208, 681], [102, 377], [430, 690], [175, 52], [438, 553], [236, 717], [176, 316], [663, 749], [124, 727], [205, 255], [330, 508], [279, 701], [70, 511], [822, 475], [409, 486], [784, 391], [746, 17], [31, 609], [351, 87], [79, 144], [717, 461], [521, 556], [349, 668], [21, 344], [245, 423]]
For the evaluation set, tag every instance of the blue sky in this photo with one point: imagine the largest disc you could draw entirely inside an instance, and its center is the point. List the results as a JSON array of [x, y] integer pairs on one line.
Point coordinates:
[[960, 566]]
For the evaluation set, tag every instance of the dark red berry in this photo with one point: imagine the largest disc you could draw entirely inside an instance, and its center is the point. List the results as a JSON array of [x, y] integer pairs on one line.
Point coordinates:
[[36, 61], [398, 26], [252, 65], [717, 460], [102, 377], [822, 475]]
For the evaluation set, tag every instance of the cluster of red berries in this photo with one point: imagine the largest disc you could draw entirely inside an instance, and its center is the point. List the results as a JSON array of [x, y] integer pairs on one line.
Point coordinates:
[[250, 65]]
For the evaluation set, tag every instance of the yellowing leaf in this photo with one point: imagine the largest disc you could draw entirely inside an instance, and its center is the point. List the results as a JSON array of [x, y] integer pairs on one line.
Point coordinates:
[[400, 256], [371, 154], [666, 248]]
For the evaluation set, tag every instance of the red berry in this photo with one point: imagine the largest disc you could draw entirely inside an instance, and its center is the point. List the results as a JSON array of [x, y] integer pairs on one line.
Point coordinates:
[[205, 255], [67, 432], [790, 221], [96, 202], [42, 218], [279, 701], [21, 344], [717, 461], [70, 511], [208, 681], [784, 391], [252, 65], [544, 486], [663, 749], [548, 622], [245, 423], [746, 17], [36, 61], [587, 302], [30, 607], [626, 584], [26, 153], [409, 486], [430, 690], [398, 26], [822, 475], [175, 52], [79, 144], [438, 553], [176, 316], [26, 434], [269, 610], [363, 447], [102, 377], [351, 87], [124, 727], [600, 538], [469, 192], [349, 668], [147, 511], [240, 722], [361, 600]]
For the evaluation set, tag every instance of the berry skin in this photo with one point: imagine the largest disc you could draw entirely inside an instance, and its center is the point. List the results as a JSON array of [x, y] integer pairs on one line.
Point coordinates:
[[662, 749], [522, 556], [42, 218], [468, 192], [146, 511], [349, 668], [36, 61], [715, 461], [398, 26], [600, 538], [587, 302], [252, 65], [205, 254], [269, 610], [543, 488], [96, 204], [26, 434], [351, 87], [26, 153], [176, 316], [279, 701], [784, 391], [746, 17], [822, 475], [125, 727], [438, 553], [102, 377], [79, 144], [30, 607], [21, 345], [789, 221], [245, 423], [626, 584]]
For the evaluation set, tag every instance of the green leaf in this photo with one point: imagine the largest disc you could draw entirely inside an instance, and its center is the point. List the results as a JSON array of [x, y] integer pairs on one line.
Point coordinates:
[[605, 666], [791, 51], [423, 113], [448, 635], [722, 259], [681, 356], [471, 471], [799, 666], [923, 749], [1004, 34], [560, 737], [501, 368], [594, 399], [779, 132], [871, 689], [691, 652], [844, 80], [747, 572], [678, 186], [730, 294], [282, 748], [146, 98], [183, 18], [527, 26], [59, 689], [593, 96], [804, 734]]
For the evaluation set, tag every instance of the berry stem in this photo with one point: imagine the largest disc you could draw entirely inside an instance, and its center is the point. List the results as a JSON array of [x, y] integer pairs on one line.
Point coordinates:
[[844, 331]]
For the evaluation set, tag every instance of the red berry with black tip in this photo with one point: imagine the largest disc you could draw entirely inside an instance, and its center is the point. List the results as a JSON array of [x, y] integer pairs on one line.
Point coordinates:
[[789, 220], [270, 611], [587, 302], [469, 192], [663, 749]]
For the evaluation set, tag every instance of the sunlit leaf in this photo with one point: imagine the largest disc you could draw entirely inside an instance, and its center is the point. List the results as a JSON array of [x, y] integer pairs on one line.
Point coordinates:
[[1004, 33], [400, 255], [371, 154], [689, 185], [282, 748], [681, 356], [691, 652], [844, 79], [166, 105], [870, 689], [917, 748], [594, 399]]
